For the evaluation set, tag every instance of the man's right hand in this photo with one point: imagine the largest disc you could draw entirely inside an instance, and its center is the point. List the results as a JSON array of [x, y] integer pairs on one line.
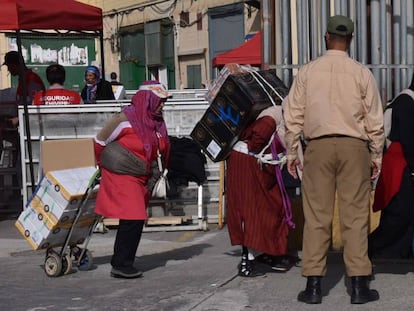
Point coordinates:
[[292, 166]]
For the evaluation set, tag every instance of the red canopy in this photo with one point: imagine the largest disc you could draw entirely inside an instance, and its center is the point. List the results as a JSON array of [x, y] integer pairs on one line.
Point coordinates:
[[248, 53], [32, 15], [49, 14]]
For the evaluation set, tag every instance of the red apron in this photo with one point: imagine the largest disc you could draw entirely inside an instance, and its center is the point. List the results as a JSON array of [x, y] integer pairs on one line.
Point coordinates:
[[389, 182]]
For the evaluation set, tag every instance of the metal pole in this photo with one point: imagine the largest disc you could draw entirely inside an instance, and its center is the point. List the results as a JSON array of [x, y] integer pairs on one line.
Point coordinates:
[[23, 100], [383, 47], [403, 34], [410, 39], [299, 27], [375, 38], [278, 34], [266, 33], [286, 41], [362, 33], [305, 33], [397, 31], [324, 15], [315, 29], [101, 46]]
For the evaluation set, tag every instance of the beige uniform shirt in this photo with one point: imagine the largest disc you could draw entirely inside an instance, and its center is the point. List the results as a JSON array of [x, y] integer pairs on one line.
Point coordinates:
[[334, 95]]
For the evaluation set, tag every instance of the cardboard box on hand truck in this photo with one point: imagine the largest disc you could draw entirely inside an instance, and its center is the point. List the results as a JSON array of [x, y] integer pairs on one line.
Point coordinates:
[[49, 216], [69, 165]]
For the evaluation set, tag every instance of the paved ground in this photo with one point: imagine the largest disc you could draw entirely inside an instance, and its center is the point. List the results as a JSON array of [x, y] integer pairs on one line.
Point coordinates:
[[185, 270]]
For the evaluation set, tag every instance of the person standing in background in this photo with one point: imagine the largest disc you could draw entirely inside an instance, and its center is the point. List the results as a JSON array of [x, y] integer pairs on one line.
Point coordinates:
[[394, 193], [334, 102], [138, 132], [114, 78], [56, 94], [96, 88], [33, 83], [32, 80]]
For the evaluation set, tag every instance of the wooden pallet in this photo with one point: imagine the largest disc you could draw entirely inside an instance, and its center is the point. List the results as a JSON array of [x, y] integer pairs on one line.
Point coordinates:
[[154, 221]]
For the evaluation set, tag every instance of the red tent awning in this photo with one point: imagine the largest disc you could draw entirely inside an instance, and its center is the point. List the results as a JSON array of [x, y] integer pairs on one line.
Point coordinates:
[[49, 14], [248, 53]]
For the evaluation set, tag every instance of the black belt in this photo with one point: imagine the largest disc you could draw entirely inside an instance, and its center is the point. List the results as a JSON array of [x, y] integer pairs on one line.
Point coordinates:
[[331, 136]]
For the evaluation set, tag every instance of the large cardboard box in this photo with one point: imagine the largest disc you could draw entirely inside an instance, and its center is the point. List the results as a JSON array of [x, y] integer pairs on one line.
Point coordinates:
[[51, 211], [62, 154], [236, 105]]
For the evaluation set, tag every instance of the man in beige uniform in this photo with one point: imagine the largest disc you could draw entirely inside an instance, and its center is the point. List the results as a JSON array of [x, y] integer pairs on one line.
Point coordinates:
[[335, 103]]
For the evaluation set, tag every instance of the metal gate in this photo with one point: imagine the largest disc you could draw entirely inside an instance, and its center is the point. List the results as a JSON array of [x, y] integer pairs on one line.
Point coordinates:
[[383, 37]]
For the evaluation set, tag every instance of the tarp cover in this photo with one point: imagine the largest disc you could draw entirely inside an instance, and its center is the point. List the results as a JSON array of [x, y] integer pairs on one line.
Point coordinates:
[[248, 53], [49, 14]]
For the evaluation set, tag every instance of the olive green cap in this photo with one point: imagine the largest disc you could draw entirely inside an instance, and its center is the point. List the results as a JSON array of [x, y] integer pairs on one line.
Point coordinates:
[[340, 25]]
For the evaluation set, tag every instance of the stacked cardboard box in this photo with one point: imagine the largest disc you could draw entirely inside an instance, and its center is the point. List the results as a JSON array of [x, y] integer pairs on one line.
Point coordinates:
[[236, 104], [50, 214]]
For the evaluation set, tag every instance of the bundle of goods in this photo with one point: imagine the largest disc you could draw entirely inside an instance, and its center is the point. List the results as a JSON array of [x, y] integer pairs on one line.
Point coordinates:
[[236, 98]]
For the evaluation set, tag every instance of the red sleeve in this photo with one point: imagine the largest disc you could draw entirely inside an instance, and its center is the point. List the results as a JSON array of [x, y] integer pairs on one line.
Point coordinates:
[[259, 133], [98, 150]]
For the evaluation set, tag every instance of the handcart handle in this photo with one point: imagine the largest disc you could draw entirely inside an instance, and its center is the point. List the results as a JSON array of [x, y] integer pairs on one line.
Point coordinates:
[[96, 177]]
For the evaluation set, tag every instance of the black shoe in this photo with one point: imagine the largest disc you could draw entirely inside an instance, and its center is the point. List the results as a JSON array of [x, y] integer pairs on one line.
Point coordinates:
[[312, 294], [247, 268], [360, 291], [126, 273], [276, 263]]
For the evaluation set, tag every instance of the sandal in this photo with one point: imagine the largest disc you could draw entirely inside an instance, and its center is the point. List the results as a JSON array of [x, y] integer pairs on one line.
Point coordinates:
[[247, 269]]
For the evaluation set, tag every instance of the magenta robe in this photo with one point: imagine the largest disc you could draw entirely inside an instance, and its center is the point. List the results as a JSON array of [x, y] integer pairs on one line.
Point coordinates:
[[255, 214]]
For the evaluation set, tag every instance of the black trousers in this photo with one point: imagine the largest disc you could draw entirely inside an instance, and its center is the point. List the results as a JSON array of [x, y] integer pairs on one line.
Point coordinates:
[[126, 244]]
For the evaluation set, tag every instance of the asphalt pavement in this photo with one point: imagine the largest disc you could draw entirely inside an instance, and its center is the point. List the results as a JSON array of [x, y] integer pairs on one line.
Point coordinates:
[[183, 271]]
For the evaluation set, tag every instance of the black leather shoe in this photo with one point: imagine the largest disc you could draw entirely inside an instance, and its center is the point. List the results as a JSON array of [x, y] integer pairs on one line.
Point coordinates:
[[360, 291], [312, 294]]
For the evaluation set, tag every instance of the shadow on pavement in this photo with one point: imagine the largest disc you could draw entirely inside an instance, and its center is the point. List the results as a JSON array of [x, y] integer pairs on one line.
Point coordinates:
[[152, 261]]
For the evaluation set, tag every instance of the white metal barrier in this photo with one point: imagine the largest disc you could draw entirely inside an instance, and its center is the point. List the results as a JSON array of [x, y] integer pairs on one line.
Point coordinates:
[[84, 121]]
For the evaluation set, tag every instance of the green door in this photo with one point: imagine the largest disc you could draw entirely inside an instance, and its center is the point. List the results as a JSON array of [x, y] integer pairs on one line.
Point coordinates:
[[132, 69], [132, 74], [194, 76]]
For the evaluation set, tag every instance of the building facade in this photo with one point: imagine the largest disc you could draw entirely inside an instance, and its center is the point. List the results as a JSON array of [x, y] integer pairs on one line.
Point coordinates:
[[172, 41], [175, 40]]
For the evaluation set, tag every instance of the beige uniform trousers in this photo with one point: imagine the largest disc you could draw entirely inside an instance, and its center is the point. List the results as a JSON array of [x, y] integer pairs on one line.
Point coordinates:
[[342, 165]]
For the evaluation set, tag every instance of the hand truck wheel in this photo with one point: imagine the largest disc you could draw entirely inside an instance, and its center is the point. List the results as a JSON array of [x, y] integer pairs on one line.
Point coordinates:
[[53, 265], [66, 264]]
